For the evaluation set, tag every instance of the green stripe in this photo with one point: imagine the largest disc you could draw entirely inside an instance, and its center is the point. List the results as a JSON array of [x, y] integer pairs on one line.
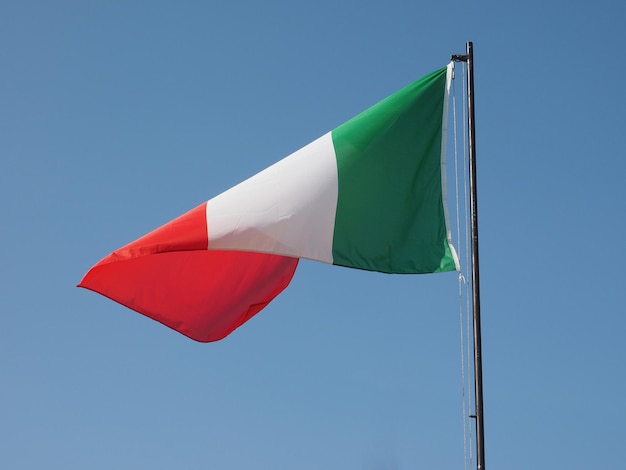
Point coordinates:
[[390, 215]]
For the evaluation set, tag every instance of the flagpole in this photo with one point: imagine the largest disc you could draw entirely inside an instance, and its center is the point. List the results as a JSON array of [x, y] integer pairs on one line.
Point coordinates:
[[468, 58]]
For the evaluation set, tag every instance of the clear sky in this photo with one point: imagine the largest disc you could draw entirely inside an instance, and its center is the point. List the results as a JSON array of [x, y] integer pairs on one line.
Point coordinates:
[[118, 116]]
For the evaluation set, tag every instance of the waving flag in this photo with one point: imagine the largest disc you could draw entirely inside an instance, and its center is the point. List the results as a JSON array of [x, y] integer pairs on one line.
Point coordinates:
[[367, 195]]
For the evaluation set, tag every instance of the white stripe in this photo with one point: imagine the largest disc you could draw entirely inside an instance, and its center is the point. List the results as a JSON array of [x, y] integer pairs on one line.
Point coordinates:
[[444, 138], [287, 209]]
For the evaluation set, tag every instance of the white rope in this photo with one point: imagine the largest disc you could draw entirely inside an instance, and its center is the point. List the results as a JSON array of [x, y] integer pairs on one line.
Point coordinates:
[[464, 399], [463, 240], [467, 250]]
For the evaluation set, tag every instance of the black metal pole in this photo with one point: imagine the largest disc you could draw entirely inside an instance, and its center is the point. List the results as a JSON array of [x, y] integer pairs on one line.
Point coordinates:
[[478, 365]]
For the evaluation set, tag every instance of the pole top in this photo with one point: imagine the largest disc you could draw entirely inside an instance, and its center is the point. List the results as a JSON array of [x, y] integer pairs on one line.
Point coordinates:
[[464, 57], [459, 57]]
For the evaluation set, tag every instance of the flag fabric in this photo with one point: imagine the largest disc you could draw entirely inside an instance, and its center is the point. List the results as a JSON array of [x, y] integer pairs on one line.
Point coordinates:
[[367, 195]]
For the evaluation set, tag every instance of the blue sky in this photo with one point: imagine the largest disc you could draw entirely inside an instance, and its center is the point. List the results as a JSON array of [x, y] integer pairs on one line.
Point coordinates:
[[119, 116]]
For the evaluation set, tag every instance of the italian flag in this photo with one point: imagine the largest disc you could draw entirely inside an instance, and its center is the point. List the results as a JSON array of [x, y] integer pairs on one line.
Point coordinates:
[[367, 195]]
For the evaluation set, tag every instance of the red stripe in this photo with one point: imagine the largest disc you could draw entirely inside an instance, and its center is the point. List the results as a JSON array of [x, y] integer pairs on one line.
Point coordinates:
[[187, 232], [170, 276]]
